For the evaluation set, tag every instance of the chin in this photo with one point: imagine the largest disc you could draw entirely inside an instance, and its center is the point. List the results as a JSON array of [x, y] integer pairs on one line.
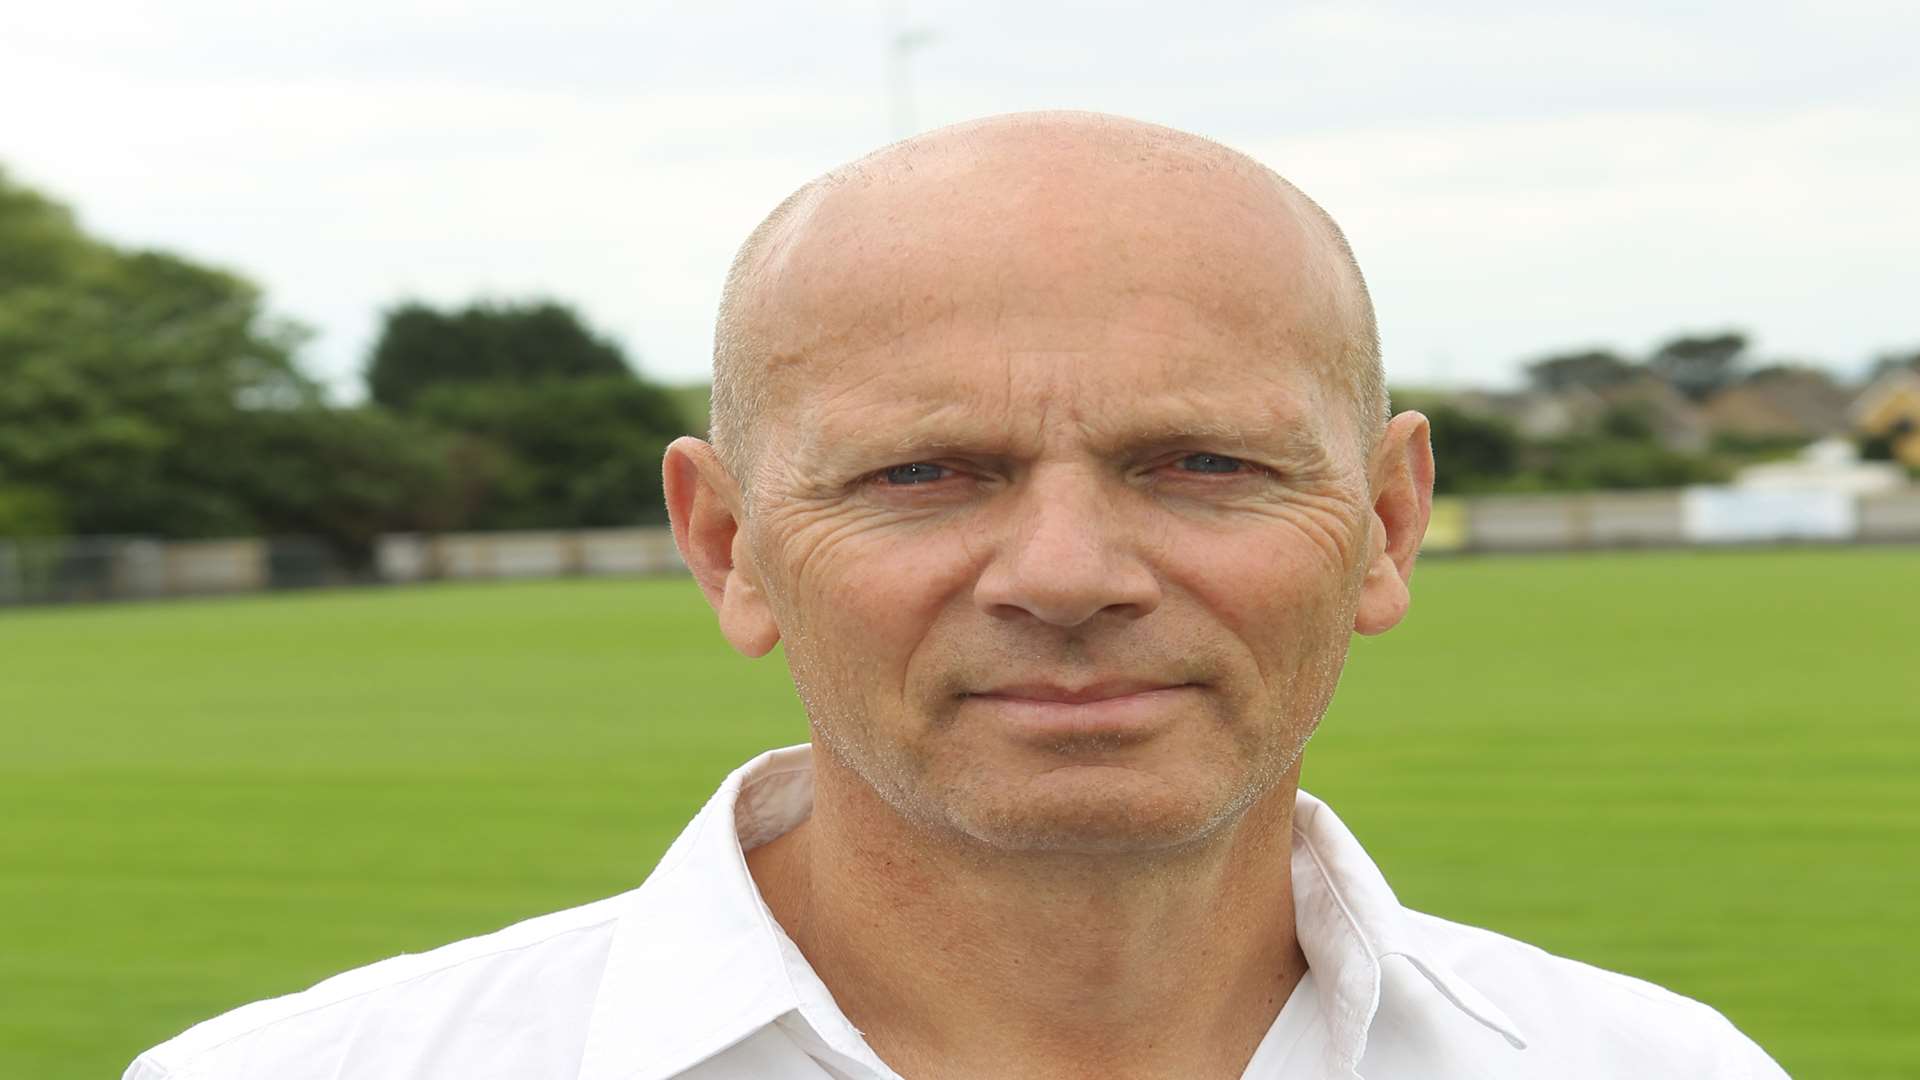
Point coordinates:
[[1097, 810]]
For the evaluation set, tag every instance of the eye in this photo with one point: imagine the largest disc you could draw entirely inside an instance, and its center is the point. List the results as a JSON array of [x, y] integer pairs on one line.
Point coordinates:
[[915, 472], [1211, 463]]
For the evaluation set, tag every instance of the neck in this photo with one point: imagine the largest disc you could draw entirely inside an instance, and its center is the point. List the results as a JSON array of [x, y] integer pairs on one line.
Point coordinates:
[[960, 961]]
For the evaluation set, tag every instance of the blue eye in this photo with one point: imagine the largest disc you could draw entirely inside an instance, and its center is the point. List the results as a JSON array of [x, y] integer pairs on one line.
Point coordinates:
[[918, 472], [1211, 463]]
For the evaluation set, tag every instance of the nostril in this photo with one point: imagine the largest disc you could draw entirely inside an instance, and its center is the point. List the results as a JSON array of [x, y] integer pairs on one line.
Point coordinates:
[[1068, 595]]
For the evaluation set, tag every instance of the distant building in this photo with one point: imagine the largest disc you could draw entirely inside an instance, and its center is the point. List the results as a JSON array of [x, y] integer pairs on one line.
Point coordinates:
[[1783, 403], [1889, 408], [1677, 422], [1534, 413], [1538, 414]]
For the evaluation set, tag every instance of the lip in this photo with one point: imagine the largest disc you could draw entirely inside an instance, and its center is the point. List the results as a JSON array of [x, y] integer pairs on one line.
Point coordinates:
[[1110, 709], [1055, 694]]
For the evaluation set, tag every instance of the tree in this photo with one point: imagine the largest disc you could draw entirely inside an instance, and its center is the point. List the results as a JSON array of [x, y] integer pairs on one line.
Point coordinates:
[[1471, 453], [1699, 365], [343, 475], [565, 434], [1588, 462], [1629, 422], [29, 512], [1591, 369], [39, 241], [113, 364], [421, 347], [561, 453], [144, 393]]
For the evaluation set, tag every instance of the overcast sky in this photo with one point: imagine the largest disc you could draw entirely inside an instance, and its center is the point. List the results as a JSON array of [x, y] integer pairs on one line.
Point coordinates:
[[1515, 178]]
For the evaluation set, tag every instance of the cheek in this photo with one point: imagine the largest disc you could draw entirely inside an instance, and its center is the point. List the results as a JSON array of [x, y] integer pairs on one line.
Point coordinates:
[[856, 603], [1285, 590]]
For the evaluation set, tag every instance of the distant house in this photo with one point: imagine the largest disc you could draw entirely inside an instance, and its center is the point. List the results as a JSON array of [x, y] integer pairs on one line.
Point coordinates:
[[1889, 408], [1784, 403], [1676, 422], [1533, 413]]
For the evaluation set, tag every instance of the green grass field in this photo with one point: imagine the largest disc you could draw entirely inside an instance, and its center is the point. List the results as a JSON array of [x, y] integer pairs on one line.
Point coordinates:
[[1698, 768]]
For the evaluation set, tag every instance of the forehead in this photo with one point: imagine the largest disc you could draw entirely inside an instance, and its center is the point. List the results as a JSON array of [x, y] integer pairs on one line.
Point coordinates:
[[1027, 383], [1167, 285], [952, 228]]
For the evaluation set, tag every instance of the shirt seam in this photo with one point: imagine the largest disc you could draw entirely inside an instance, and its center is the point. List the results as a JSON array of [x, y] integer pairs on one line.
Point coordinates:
[[1340, 901], [1351, 1062]]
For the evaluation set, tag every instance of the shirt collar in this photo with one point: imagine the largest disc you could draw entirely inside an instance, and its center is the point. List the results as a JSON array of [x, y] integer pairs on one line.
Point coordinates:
[[1349, 924], [698, 963]]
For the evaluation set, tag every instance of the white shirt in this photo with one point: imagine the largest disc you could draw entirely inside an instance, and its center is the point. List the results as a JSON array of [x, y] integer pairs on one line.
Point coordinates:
[[690, 977]]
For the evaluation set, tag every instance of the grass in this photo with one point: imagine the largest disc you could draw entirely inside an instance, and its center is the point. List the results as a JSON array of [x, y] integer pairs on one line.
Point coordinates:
[[1696, 768]]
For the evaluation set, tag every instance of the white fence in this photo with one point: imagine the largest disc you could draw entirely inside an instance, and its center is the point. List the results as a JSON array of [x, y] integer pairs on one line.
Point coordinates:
[[116, 568], [105, 568], [1698, 516], [528, 554]]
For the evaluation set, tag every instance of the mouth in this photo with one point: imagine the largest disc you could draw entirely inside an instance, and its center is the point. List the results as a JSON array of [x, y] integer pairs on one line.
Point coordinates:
[[1110, 709], [1087, 694]]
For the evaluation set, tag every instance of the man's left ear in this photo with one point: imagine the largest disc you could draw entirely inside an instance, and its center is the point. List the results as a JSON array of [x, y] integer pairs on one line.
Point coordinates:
[[1401, 478], [706, 508]]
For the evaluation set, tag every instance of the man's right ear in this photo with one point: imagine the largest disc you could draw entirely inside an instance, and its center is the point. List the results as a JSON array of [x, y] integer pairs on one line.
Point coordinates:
[[706, 508]]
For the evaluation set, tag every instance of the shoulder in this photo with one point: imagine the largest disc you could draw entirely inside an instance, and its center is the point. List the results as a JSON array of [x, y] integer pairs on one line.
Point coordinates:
[[513, 1002], [1596, 1022]]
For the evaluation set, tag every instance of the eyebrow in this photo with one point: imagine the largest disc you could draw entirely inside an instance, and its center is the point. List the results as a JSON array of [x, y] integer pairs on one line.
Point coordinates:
[[1299, 443]]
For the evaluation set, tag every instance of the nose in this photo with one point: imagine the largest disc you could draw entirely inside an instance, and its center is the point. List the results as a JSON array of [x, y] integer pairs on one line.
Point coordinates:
[[1065, 554]]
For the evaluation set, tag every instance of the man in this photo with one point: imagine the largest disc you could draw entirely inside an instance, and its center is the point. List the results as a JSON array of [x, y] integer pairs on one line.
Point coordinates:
[[1054, 449]]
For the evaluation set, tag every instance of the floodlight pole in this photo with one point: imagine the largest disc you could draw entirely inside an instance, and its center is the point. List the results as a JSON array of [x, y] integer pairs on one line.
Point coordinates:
[[902, 41]]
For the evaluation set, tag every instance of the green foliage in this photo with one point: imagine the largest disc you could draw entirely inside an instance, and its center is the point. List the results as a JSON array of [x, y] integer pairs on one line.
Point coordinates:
[[29, 512], [1479, 454], [695, 403], [564, 452], [1620, 452], [345, 475], [1628, 422], [1603, 462], [116, 366], [421, 347], [143, 393], [39, 241], [1472, 453], [556, 430]]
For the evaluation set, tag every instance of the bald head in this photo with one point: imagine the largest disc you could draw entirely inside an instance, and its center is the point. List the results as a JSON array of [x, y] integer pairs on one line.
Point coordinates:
[[1069, 212]]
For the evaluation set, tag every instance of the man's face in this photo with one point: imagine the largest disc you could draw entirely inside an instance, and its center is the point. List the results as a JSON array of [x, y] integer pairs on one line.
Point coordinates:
[[1060, 521]]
